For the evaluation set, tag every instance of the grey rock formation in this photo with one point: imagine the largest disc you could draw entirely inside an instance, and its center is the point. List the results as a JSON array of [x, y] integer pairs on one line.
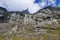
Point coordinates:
[[3, 15], [42, 25]]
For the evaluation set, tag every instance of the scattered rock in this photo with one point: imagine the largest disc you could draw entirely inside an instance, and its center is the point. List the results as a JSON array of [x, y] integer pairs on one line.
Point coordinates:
[[43, 25]]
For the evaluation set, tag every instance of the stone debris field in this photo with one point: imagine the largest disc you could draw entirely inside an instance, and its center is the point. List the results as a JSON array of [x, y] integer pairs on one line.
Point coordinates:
[[43, 25]]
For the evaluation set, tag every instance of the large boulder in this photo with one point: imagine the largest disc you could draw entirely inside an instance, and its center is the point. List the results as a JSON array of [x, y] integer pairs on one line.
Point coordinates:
[[3, 14]]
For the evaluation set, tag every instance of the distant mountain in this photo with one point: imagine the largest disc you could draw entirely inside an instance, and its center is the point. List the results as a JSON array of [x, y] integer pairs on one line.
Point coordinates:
[[48, 13], [3, 10], [25, 12], [3, 14], [49, 8]]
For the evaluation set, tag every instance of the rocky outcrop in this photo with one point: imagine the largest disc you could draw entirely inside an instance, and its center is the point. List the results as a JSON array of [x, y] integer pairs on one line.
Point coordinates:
[[3, 15], [42, 25]]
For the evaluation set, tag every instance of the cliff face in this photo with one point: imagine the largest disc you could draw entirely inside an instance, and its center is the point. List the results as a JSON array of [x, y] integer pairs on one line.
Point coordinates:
[[3, 15], [43, 25]]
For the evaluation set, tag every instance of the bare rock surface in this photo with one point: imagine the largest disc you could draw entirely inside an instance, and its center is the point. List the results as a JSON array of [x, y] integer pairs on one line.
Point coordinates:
[[43, 25]]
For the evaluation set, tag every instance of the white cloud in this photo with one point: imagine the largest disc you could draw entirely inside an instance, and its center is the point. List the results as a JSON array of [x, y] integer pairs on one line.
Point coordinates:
[[51, 2], [58, 5], [42, 4], [19, 5], [45, 3], [33, 8]]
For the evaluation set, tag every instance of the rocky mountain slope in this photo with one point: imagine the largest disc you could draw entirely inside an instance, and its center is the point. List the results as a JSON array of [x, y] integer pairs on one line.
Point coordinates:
[[42, 25]]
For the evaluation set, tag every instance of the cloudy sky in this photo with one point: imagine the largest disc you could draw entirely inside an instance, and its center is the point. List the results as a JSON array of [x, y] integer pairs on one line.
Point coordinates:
[[32, 5]]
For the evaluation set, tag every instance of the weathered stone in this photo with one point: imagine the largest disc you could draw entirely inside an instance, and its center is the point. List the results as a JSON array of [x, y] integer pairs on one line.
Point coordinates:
[[43, 25]]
